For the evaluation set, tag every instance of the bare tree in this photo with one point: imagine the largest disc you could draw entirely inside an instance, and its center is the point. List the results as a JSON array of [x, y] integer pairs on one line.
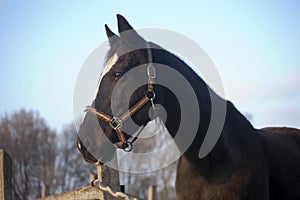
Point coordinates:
[[41, 158], [45, 159], [71, 170], [27, 138]]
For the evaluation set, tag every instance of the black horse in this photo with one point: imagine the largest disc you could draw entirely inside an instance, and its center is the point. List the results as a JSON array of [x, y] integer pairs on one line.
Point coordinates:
[[245, 163]]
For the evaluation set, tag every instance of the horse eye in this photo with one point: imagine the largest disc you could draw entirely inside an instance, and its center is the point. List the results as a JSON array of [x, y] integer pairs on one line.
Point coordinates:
[[117, 75]]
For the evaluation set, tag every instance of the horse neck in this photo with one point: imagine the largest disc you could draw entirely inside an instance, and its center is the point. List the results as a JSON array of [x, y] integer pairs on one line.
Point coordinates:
[[170, 102], [236, 128]]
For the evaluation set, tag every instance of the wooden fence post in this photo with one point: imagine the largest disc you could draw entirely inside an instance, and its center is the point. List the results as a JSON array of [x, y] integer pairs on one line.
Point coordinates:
[[109, 176], [5, 176], [152, 192]]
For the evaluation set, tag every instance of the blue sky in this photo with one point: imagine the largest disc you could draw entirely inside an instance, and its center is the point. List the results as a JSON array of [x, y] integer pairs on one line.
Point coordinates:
[[255, 47]]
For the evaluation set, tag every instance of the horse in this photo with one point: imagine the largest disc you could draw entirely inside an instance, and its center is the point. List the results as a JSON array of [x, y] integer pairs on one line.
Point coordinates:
[[244, 163]]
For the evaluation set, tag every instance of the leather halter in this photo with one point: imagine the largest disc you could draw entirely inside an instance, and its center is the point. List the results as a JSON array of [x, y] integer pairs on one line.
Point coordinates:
[[116, 122]]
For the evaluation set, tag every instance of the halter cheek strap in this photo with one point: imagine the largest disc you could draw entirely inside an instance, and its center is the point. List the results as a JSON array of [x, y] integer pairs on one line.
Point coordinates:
[[116, 123]]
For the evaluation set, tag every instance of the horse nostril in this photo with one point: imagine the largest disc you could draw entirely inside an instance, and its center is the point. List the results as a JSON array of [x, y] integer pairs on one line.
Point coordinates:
[[84, 143]]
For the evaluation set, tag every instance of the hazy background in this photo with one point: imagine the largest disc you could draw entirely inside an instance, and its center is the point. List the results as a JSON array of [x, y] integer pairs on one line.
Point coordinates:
[[255, 47]]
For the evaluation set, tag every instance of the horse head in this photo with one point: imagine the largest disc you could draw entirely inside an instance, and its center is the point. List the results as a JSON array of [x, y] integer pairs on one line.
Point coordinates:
[[125, 97]]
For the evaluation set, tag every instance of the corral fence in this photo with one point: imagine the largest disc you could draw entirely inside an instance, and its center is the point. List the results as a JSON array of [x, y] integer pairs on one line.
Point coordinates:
[[105, 187]]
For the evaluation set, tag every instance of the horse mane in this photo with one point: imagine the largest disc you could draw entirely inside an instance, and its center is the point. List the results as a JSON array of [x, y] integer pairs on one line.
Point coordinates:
[[165, 57]]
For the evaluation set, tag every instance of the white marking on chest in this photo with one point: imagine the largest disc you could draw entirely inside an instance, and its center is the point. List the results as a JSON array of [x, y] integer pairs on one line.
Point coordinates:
[[109, 64]]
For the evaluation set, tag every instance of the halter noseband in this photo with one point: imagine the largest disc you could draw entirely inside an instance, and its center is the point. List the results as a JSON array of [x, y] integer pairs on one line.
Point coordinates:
[[116, 123]]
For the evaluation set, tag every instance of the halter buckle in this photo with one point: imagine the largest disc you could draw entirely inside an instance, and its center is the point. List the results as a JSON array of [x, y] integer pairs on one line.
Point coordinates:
[[151, 71], [115, 123]]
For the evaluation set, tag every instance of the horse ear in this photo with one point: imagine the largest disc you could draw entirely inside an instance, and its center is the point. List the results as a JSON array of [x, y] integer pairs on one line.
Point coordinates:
[[112, 37], [127, 32]]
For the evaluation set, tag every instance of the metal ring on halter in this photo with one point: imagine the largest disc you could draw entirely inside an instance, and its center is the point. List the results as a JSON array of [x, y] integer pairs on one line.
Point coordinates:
[[150, 95], [129, 147]]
